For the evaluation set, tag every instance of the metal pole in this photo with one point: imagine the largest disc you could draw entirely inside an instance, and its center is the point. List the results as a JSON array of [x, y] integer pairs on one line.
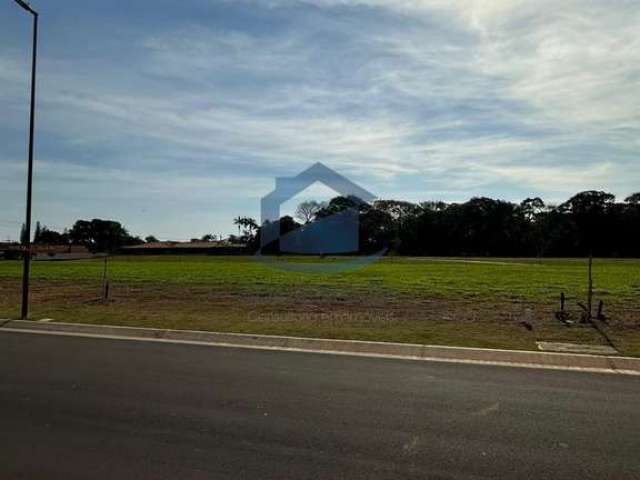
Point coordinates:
[[27, 241]]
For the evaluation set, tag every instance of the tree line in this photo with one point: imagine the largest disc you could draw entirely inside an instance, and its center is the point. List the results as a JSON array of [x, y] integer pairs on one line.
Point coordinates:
[[590, 222], [96, 235]]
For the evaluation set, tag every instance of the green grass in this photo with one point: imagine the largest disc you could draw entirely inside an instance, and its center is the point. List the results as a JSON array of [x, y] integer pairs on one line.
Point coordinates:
[[471, 302], [541, 280]]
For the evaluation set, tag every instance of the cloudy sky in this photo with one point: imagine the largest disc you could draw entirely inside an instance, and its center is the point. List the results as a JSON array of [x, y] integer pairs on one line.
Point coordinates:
[[175, 117]]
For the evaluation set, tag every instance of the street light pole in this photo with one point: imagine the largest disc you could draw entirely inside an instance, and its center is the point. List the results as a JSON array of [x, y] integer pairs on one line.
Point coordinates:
[[27, 237]]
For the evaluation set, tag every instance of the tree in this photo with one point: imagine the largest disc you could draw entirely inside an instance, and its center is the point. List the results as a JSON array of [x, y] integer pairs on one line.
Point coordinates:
[[589, 202], [250, 230], [24, 236], [376, 231], [633, 199], [340, 204], [46, 236], [234, 240], [398, 209], [307, 210], [392, 217], [150, 239], [592, 213], [38, 231], [101, 235], [531, 207], [288, 224], [433, 206], [238, 221], [628, 228]]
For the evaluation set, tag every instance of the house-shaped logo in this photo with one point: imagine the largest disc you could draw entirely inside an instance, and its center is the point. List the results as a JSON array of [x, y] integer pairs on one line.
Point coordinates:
[[332, 234]]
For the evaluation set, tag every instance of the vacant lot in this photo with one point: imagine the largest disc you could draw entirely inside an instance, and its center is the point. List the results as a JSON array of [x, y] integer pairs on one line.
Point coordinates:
[[471, 302]]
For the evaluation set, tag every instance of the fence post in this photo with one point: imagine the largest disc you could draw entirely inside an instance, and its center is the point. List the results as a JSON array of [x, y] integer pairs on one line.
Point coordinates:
[[590, 292]]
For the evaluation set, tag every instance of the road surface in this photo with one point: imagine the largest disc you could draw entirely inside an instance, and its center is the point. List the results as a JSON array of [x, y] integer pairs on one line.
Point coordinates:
[[80, 408]]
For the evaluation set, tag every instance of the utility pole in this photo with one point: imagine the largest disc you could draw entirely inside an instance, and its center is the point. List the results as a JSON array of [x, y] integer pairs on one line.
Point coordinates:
[[27, 241]]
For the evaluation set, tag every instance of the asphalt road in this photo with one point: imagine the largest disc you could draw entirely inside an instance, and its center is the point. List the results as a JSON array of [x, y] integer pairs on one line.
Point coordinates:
[[78, 408]]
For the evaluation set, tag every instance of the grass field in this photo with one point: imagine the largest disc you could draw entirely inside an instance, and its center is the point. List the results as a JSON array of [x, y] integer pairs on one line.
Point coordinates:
[[471, 302]]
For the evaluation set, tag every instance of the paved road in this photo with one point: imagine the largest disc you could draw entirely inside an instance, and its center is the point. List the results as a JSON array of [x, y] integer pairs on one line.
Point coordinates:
[[78, 408]]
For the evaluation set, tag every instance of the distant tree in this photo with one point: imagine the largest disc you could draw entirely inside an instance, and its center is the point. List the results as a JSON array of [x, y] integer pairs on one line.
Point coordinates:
[[238, 221], [36, 234], [82, 233], [589, 202], [24, 236], [376, 231], [208, 238], [340, 204], [397, 209], [46, 236], [307, 210], [433, 206], [385, 224], [531, 207], [288, 224], [150, 239], [628, 228], [101, 235], [251, 224], [234, 240], [634, 199], [248, 224], [592, 213]]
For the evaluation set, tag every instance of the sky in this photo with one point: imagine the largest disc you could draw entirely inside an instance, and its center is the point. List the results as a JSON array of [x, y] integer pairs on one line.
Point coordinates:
[[176, 117]]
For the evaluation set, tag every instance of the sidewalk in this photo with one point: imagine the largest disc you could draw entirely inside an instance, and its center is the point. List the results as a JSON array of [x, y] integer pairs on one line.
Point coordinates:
[[512, 358]]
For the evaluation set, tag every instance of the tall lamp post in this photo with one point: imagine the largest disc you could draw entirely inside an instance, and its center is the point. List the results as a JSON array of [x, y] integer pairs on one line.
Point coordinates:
[[27, 236]]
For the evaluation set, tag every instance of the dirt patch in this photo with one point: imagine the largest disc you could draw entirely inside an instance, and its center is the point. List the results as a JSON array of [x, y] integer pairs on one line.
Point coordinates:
[[321, 312]]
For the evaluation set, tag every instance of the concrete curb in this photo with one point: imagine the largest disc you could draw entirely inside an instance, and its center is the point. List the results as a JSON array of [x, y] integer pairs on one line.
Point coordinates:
[[513, 358]]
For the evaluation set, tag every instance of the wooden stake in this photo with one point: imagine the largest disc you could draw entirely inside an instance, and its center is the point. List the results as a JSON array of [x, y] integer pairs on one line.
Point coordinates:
[[601, 316], [590, 292], [105, 281]]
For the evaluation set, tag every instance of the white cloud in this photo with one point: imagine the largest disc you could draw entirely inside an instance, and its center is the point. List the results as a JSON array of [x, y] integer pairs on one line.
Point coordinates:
[[570, 71]]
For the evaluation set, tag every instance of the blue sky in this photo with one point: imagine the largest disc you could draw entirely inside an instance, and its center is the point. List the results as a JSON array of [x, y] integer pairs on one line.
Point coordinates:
[[175, 117]]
